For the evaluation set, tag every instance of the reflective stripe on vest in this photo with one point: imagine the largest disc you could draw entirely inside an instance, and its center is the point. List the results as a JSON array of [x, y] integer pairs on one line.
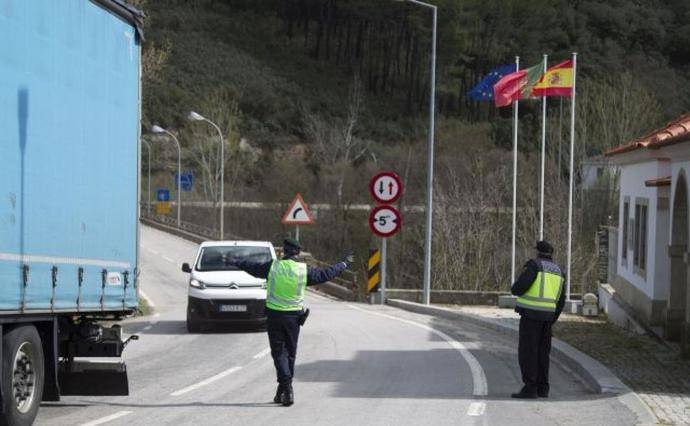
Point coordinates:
[[287, 281], [546, 289]]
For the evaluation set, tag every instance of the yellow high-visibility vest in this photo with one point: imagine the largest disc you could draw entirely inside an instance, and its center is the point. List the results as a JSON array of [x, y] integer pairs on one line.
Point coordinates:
[[546, 289], [287, 281]]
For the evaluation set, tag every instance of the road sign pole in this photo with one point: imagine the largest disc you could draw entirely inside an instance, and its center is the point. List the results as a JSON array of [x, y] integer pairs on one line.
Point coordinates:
[[384, 256], [297, 232]]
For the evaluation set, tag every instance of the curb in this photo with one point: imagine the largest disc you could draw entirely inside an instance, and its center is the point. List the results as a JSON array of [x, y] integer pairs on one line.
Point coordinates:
[[593, 373]]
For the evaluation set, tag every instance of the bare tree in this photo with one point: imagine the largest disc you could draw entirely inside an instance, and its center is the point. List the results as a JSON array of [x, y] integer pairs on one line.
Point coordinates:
[[335, 142]]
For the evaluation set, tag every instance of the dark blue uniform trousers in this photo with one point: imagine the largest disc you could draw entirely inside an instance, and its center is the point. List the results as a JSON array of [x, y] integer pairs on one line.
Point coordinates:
[[283, 332], [533, 353]]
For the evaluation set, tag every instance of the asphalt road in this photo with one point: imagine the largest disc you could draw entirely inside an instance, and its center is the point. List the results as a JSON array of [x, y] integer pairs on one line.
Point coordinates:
[[357, 364]]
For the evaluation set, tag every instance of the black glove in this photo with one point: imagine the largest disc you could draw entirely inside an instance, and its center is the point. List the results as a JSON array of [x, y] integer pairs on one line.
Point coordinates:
[[349, 260]]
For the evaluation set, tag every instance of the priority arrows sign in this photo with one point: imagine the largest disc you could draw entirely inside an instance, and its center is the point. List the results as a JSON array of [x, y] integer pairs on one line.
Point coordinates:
[[385, 221], [386, 187], [298, 213]]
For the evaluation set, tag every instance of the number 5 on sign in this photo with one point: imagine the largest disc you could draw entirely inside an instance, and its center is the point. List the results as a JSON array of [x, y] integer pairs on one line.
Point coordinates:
[[385, 221]]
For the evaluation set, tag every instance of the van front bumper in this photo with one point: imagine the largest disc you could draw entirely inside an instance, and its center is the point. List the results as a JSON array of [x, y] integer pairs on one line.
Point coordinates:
[[231, 311]]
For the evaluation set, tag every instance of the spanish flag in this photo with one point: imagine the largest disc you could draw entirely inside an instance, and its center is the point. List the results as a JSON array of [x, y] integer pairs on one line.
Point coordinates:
[[557, 81]]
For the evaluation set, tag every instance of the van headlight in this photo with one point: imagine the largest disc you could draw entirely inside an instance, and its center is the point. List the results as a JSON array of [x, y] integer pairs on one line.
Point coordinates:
[[197, 284]]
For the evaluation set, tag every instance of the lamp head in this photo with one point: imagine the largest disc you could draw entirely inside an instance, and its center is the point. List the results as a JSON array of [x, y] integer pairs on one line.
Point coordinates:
[[195, 116]]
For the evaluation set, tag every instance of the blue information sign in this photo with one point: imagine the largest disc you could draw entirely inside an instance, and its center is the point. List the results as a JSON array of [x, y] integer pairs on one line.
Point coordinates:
[[187, 180], [163, 195]]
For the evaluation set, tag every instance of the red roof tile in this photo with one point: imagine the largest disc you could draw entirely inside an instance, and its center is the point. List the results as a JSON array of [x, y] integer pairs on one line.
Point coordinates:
[[675, 132]]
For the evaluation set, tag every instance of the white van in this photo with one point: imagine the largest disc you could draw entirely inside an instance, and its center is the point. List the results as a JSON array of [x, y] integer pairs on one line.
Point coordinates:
[[220, 293]]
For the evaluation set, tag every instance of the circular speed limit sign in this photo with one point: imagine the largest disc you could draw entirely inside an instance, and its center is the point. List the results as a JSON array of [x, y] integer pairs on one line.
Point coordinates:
[[386, 187], [385, 221]]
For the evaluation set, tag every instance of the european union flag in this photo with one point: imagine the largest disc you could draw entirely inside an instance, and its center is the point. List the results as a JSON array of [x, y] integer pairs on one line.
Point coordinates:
[[484, 91]]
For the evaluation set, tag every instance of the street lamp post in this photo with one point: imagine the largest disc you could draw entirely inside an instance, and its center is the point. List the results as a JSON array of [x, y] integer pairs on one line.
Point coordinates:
[[426, 297], [158, 130], [148, 191], [198, 117]]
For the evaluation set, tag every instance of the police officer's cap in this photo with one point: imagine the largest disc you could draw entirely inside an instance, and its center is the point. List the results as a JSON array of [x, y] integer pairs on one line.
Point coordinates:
[[544, 247], [292, 244]]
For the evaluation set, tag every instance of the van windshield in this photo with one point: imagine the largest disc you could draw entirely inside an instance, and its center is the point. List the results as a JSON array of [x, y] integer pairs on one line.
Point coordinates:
[[221, 258]]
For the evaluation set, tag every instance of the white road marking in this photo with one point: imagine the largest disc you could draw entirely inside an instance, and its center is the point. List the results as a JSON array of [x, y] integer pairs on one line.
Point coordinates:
[[262, 353], [206, 382], [479, 383], [476, 409], [167, 259], [147, 328], [156, 252], [107, 419], [148, 299]]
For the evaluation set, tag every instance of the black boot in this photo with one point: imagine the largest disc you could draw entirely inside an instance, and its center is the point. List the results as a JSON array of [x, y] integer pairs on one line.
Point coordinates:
[[527, 392], [543, 391], [287, 397], [279, 392]]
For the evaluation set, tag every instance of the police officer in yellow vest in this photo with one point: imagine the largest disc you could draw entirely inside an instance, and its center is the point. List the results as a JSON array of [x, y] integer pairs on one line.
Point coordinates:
[[287, 280], [540, 302]]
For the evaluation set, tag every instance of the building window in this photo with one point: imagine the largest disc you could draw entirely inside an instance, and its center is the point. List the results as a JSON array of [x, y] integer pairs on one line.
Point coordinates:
[[640, 245], [624, 228]]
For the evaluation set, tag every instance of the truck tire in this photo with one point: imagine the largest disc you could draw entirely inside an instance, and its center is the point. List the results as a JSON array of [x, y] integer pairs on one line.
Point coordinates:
[[22, 376]]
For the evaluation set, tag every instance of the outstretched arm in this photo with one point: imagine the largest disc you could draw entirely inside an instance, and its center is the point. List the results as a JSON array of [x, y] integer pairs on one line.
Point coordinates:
[[321, 275], [258, 270]]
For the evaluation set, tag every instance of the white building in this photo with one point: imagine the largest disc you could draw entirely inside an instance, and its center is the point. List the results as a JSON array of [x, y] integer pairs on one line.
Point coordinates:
[[653, 258], [597, 171]]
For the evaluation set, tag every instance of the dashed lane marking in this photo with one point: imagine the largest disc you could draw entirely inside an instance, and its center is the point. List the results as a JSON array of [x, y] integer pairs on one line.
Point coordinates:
[[479, 383], [206, 382], [262, 353], [107, 419], [476, 409], [167, 259]]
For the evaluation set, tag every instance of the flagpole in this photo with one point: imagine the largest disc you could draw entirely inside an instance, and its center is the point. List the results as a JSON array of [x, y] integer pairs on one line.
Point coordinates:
[[543, 159], [515, 164], [572, 173], [560, 140]]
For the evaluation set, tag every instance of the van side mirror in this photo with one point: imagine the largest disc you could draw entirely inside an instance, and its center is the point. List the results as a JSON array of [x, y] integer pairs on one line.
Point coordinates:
[[186, 268]]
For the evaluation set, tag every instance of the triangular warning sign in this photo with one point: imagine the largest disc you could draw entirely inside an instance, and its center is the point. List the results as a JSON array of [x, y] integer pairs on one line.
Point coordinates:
[[298, 213]]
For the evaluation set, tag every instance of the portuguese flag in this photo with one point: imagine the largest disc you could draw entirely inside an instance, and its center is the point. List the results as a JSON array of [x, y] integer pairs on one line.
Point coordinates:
[[557, 81], [517, 85]]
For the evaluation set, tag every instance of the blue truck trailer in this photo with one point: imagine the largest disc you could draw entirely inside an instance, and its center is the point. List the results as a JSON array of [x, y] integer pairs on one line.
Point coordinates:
[[69, 155]]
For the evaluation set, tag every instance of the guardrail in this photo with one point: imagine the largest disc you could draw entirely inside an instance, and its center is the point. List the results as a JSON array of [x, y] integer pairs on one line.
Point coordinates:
[[204, 231], [344, 287]]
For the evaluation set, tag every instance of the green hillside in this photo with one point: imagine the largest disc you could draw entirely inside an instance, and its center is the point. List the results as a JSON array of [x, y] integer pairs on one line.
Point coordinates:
[[282, 59]]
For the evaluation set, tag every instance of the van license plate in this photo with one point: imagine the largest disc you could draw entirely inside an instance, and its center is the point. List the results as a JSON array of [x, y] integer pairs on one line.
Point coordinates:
[[233, 308]]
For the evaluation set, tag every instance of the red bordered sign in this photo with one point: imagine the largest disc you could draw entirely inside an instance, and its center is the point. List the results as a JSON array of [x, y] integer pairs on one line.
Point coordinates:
[[385, 221], [298, 213], [386, 188]]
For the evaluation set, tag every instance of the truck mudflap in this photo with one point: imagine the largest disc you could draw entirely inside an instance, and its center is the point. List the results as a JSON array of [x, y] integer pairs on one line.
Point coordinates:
[[81, 377]]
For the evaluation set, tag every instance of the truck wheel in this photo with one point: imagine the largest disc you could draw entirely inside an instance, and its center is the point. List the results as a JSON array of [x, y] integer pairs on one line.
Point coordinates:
[[22, 375]]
